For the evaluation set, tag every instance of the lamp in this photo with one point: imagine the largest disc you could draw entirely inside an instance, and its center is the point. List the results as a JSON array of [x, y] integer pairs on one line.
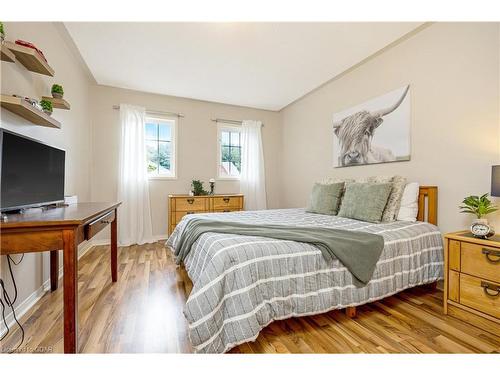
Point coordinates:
[[495, 181]]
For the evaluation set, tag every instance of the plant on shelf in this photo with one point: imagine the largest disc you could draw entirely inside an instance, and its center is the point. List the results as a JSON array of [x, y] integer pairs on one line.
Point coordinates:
[[46, 106], [197, 186], [479, 206], [2, 32], [57, 91]]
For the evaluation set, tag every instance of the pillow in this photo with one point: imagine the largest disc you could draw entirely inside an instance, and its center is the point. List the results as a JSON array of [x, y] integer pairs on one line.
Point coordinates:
[[365, 201], [409, 203], [394, 202], [325, 198]]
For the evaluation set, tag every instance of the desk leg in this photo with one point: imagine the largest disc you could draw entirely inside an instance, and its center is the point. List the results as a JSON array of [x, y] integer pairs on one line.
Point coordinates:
[[114, 248], [54, 270], [70, 258]]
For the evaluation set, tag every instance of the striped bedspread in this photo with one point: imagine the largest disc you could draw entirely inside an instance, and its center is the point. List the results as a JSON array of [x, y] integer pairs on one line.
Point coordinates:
[[242, 283]]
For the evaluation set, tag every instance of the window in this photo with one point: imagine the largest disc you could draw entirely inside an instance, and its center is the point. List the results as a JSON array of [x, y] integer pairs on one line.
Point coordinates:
[[229, 155], [160, 147]]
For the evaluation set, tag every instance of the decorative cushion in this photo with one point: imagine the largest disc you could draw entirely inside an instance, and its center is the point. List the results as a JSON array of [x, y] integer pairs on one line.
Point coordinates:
[[365, 201], [394, 202], [325, 198], [409, 203]]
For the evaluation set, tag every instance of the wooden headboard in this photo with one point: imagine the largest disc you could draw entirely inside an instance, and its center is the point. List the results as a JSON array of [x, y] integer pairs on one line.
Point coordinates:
[[427, 204]]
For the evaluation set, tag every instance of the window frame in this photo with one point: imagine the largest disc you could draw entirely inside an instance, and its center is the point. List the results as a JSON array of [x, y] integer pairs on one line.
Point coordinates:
[[173, 161], [220, 128]]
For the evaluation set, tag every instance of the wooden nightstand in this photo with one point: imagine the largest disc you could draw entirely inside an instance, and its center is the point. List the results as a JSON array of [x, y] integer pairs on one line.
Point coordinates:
[[472, 279]]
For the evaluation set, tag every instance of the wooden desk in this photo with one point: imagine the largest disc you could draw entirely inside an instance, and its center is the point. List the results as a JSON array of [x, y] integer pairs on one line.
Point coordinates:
[[62, 228]]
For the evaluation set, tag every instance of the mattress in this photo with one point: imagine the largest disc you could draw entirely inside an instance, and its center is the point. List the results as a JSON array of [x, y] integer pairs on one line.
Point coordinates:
[[241, 283]]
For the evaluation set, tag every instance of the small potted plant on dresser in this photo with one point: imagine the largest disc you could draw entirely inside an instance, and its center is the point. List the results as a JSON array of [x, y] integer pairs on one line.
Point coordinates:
[[2, 33], [46, 106], [57, 91], [479, 206]]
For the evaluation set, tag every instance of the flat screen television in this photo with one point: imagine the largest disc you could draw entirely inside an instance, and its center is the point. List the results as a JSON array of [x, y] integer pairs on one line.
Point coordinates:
[[32, 173]]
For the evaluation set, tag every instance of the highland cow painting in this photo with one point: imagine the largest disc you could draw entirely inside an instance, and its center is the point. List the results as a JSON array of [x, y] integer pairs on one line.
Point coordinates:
[[377, 131]]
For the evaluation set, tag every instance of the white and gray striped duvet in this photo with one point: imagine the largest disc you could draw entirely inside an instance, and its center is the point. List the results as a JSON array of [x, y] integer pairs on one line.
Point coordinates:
[[241, 283]]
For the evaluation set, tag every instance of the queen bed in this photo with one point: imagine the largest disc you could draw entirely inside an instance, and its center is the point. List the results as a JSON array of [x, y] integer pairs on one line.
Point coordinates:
[[243, 283]]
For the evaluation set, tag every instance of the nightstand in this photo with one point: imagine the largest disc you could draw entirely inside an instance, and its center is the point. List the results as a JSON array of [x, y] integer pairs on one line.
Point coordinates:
[[472, 279]]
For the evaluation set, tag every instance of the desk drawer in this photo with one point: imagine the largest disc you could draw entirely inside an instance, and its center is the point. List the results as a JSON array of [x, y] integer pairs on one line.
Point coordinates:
[[98, 224], [221, 203], [191, 204], [481, 261], [480, 295]]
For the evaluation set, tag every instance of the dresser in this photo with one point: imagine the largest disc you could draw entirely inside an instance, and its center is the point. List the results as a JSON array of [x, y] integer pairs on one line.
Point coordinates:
[[472, 279], [181, 205]]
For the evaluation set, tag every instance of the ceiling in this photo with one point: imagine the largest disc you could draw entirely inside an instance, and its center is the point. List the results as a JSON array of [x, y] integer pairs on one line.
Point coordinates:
[[260, 65]]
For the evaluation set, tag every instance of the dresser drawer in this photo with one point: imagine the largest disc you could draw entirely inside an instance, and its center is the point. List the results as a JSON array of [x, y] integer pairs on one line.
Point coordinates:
[[227, 210], [99, 224], [220, 203], [191, 204], [480, 295], [180, 214], [480, 261]]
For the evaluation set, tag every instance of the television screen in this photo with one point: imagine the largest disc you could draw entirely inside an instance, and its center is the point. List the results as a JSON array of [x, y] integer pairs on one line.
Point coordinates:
[[32, 173]]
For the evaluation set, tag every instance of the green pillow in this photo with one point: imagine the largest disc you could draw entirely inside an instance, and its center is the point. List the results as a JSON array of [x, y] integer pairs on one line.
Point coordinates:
[[365, 201], [325, 198]]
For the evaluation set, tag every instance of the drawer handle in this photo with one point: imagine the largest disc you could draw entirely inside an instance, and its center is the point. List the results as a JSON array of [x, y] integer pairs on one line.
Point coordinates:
[[489, 253], [226, 211], [105, 221], [487, 286], [226, 199], [190, 200], [189, 212]]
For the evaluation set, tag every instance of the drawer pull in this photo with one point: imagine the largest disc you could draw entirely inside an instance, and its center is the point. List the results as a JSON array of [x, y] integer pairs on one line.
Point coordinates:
[[226, 211], [489, 253], [190, 200], [225, 199], [487, 287], [105, 222], [189, 212]]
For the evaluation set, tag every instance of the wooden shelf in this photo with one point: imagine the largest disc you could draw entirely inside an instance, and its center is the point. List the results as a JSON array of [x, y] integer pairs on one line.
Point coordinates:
[[30, 58], [6, 54], [57, 103], [22, 108]]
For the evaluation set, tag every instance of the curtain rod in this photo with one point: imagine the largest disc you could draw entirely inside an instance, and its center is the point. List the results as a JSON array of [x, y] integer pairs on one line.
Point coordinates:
[[157, 112], [227, 121]]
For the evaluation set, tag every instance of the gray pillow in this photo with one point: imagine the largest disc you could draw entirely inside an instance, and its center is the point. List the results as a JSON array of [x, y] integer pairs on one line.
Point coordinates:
[[325, 198], [365, 201]]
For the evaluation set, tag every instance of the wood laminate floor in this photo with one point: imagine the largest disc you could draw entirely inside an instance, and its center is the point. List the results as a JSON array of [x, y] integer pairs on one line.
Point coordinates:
[[143, 313]]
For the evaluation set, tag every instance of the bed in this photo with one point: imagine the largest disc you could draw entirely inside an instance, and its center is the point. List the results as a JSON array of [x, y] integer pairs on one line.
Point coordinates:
[[242, 283]]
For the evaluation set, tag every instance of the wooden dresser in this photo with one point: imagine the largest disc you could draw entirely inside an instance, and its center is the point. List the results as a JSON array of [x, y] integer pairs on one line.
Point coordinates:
[[180, 205], [472, 279]]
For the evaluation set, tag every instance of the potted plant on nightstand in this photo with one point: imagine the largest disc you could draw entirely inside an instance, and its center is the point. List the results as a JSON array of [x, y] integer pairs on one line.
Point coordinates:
[[46, 106], [57, 91], [479, 206]]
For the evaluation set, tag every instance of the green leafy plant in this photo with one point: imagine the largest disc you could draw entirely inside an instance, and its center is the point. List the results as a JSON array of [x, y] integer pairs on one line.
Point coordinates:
[[479, 206], [197, 186], [46, 105], [58, 89], [1, 29]]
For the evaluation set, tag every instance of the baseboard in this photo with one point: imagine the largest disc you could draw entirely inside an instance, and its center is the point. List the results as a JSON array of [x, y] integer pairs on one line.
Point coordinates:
[[34, 297]]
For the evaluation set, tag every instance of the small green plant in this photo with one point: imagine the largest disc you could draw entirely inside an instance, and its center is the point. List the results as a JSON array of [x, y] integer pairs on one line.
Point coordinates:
[[58, 89], [479, 206], [46, 105], [2, 32], [197, 186]]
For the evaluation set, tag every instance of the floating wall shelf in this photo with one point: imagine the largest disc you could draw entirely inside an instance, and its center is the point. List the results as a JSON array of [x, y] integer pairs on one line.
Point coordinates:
[[22, 108], [30, 58], [57, 103], [6, 54]]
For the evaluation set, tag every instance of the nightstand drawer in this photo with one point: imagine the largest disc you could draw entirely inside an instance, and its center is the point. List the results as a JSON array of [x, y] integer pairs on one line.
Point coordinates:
[[480, 261], [226, 202], [481, 295], [191, 204]]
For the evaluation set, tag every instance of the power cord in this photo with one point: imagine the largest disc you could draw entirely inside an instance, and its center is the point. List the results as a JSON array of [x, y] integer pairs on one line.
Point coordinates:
[[10, 302]]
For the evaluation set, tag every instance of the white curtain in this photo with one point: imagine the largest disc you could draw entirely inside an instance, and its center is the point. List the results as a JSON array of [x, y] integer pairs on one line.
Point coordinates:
[[134, 224], [253, 179]]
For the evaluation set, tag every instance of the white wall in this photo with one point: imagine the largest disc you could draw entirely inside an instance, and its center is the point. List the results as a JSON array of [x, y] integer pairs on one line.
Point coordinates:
[[74, 136], [453, 69], [196, 149]]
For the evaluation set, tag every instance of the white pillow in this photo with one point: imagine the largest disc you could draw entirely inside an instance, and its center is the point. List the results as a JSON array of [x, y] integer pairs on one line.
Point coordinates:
[[409, 203]]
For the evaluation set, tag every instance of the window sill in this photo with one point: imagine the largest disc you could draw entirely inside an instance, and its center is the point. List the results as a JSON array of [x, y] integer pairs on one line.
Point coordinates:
[[162, 177], [227, 179]]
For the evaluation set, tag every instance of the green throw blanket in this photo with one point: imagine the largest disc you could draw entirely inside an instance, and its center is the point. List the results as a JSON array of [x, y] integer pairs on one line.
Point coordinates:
[[358, 251]]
